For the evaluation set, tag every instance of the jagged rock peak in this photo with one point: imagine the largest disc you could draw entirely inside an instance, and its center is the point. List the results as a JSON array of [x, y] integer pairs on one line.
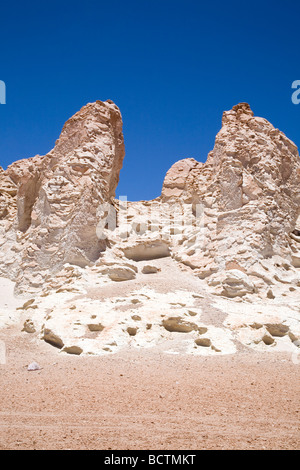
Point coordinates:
[[249, 188]]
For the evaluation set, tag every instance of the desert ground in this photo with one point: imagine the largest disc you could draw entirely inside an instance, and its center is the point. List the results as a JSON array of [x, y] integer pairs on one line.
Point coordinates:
[[146, 399]]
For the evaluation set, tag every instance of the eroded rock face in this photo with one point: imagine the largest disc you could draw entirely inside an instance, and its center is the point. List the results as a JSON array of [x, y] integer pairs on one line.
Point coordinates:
[[249, 191], [237, 211], [57, 196]]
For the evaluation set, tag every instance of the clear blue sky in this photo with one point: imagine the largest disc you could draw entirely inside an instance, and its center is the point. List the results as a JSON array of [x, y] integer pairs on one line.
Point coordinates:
[[172, 67]]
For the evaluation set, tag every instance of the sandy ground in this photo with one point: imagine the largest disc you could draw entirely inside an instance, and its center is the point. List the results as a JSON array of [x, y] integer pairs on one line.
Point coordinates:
[[146, 399]]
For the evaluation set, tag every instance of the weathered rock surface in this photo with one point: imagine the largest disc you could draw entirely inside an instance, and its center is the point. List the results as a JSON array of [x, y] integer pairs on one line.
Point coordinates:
[[249, 191], [55, 198]]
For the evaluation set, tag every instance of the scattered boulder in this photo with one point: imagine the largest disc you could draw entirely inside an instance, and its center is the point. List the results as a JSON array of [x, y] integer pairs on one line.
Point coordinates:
[[95, 326], [150, 269], [52, 338], [277, 329], [268, 339], [28, 304], [121, 273], [205, 342], [270, 294], [136, 318], [132, 331], [179, 325], [76, 350]]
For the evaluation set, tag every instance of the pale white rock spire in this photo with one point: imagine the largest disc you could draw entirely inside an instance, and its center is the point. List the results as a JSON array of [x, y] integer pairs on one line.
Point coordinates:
[[56, 196]]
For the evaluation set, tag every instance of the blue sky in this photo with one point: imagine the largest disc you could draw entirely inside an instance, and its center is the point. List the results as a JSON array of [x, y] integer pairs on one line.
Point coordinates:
[[172, 67]]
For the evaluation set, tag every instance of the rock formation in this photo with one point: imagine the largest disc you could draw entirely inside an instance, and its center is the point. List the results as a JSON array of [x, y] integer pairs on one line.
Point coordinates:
[[223, 236], [249, 189], [55, 198]]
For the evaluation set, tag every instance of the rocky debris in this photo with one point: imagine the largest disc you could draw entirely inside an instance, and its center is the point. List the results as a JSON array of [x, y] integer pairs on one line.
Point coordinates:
[[107, 325]]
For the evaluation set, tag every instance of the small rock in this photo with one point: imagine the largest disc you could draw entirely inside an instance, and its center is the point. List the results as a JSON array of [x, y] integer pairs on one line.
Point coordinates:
[[76, 350], [150, 269], [136, 318], [27, 304], [270, 294], [95, 326], [33, 366], [121, 273], [28, 326], [178, 324], [277, 329], [205, 342], [267, 339], [132, 331], [52, 338]]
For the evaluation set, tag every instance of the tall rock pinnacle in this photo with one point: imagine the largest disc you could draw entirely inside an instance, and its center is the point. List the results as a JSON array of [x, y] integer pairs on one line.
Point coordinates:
[[58, 195], [249, 187]]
